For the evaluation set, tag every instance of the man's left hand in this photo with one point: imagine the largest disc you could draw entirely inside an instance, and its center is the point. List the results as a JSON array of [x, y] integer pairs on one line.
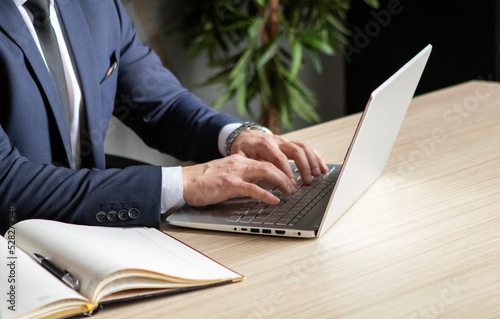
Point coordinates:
[[275, 149]]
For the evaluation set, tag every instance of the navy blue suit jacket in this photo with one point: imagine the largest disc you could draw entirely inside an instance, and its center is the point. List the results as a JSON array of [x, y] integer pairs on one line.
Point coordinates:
[[34, 170]]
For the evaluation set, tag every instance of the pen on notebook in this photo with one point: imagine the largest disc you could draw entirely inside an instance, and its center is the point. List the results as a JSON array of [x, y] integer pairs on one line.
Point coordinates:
[[63, 275]]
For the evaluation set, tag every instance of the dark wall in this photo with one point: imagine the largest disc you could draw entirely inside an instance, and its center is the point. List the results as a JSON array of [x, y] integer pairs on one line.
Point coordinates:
[[462, 32]]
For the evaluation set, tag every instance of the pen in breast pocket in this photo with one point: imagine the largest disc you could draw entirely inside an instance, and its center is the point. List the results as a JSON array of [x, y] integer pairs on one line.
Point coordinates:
[[63, 275]]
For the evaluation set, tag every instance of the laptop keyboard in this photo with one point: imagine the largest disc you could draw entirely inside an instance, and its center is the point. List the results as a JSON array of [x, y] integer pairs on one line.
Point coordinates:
[[292, 208]]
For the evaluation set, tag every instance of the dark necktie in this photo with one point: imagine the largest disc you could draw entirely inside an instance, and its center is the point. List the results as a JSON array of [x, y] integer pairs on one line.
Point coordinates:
[[50, 48]]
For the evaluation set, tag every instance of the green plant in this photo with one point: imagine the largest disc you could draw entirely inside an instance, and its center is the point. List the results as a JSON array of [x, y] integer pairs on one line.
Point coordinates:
[[260, 47]]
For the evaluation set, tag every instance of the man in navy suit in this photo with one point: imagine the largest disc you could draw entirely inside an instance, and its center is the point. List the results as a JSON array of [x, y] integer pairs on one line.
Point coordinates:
[[52, 163]]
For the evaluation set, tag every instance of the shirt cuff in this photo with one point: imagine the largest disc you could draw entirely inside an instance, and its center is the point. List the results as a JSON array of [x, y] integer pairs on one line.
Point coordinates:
[[223, 135], [172, 189]]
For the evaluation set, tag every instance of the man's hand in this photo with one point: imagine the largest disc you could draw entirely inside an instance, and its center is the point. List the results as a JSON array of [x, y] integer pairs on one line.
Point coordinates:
[[225, 178], [277, 150], [255, 156]]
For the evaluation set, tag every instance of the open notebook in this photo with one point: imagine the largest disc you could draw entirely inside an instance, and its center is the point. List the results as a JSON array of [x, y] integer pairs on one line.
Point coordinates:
[[112, 264]]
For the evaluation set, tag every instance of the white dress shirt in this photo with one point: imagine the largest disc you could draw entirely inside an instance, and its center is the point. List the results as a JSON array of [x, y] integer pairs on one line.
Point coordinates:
[[172, 184]]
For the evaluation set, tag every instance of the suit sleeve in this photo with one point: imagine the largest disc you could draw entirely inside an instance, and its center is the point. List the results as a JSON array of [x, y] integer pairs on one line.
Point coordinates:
[[86, 196], [153, 103]]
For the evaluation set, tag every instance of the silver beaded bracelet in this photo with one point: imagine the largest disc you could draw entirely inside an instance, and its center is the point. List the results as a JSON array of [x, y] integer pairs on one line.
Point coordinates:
[[248, 126]]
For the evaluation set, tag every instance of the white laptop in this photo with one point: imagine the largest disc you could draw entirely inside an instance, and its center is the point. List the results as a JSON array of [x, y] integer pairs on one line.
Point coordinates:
[[314, 208]]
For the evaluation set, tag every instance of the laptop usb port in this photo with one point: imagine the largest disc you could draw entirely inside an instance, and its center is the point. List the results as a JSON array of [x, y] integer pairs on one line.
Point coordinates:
[[266, 231], [254, 230]]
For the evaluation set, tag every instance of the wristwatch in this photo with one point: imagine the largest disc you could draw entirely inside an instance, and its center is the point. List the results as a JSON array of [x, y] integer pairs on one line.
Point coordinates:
[[247, 126]]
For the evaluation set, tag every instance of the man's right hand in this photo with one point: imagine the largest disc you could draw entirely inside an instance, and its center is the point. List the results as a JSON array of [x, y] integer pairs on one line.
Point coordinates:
[[218, 180]]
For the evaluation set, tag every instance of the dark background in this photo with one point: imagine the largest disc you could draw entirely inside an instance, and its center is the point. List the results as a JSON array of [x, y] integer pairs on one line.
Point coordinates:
[[464, 35]]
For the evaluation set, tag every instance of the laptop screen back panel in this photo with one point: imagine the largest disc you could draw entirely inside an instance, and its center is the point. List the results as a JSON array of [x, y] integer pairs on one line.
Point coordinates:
[[374, 137]]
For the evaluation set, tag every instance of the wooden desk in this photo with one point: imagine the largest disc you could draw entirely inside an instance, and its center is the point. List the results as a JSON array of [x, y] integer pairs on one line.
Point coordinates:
[[423, 241]]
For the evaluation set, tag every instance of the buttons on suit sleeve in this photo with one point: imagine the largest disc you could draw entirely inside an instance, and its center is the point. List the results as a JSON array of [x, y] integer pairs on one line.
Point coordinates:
[[101, 216], [123, 214], [134, 213], [112, 215]]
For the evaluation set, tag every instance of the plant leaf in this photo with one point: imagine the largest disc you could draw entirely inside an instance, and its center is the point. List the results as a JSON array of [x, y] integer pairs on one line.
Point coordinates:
[[315, 61], [320, 45], [255, 27], [270, 52], [337, 25], [264, 86], [243, 62], [304, 108], [296, 60], [373, 3], [241, 95], [222, 76], [222, 99]]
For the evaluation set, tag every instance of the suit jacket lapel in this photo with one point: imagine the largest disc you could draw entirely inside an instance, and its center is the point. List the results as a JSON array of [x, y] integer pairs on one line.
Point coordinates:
[[13, 24], [82, 47]]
